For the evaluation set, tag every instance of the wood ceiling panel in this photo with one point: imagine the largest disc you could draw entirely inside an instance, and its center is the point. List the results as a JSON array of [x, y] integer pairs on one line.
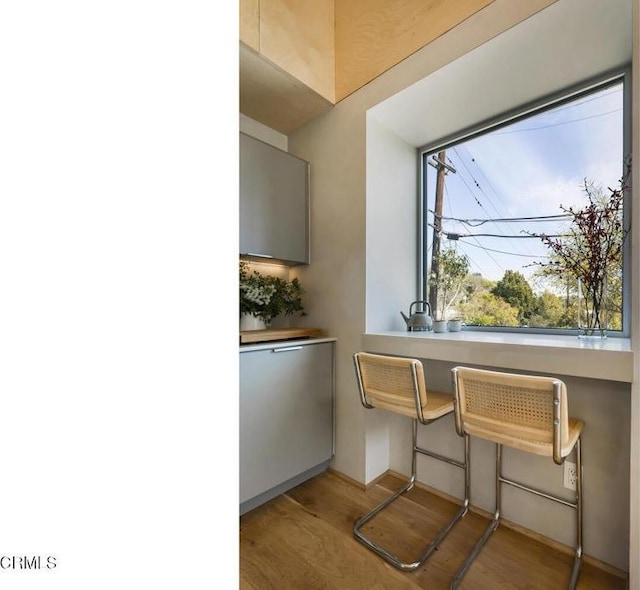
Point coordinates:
[[299, 37], [250, 23], [374, 35]]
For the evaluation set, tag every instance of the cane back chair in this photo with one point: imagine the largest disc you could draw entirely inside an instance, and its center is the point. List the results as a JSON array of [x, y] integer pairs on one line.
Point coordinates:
[[397, 384], [529, 413]]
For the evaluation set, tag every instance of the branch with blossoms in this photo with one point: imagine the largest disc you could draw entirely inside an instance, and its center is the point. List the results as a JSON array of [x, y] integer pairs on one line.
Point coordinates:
[[593, 244]]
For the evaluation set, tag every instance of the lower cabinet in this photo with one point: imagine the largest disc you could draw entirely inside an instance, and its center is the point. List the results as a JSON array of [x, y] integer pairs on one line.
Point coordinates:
[[285, 418]]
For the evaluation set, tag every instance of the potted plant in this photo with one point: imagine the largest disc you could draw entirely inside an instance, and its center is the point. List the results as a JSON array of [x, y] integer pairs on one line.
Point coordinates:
[[265, 297], [591, 253], [447, 285]]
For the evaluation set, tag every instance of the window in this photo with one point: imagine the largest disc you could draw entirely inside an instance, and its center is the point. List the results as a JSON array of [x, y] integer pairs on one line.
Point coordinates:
[[488, 199]]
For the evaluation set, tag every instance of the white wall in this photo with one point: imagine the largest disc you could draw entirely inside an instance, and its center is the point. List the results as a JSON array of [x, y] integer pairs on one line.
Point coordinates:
[[391, 230]]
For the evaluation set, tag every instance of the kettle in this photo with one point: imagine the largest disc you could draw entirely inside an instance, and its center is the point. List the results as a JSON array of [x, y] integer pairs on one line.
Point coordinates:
[[420, 320]]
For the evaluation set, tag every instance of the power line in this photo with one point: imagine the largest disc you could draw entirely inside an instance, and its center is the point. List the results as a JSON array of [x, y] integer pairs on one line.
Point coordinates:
[[536, 218], [556, 124], [509, 253], [580, 102], [454, 236], [457, 236], [491, 187], [464, 145], [467, 186]]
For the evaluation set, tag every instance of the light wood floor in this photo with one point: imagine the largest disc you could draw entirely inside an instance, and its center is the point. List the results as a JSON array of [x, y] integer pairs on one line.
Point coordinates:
[[303, 540]]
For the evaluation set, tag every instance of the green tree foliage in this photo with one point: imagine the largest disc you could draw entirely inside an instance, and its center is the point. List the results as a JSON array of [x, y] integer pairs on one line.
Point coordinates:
[[516, 291], [485, 309], [267, 296], [552, 311], [476, 283]]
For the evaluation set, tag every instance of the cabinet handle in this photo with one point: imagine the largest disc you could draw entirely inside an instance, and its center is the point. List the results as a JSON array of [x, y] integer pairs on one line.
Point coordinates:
[[286, 349], [258, 255]]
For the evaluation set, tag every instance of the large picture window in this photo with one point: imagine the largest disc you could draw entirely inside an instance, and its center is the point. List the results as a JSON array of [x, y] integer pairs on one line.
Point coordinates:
[[494, 201]]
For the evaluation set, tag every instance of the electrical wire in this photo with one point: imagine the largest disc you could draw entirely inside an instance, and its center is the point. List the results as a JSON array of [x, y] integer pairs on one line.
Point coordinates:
[[457, 236], [509, 253], [556, 124], [579, 102], [464, 145], [477, 222]]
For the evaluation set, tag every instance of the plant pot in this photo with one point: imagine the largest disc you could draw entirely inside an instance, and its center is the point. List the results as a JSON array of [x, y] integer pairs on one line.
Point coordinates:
[[249, 321], [454, 325], [439, 326]]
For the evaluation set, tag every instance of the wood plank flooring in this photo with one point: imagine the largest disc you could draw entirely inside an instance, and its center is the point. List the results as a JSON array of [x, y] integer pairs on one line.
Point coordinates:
[[303, 540]]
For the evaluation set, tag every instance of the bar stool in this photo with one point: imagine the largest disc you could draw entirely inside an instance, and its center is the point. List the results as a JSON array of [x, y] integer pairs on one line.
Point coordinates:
[[397, 384], [528, 413]]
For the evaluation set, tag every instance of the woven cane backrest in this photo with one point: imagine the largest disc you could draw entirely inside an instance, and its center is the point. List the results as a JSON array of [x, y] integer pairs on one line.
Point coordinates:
[[391, 383], [519, 406]]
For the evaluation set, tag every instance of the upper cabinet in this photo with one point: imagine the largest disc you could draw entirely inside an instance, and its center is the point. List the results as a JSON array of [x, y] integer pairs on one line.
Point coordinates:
[[286, 61], [274, 204]]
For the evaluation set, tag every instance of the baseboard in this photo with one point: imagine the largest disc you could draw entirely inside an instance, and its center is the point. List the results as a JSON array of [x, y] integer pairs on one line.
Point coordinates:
[[359, 484], [350, 480]]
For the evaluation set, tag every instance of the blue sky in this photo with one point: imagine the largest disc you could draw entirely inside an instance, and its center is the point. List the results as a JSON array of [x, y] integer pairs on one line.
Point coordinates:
[[529, 169]]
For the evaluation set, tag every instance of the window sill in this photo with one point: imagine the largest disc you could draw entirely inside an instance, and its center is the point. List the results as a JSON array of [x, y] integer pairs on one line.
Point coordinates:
[[610, 360]]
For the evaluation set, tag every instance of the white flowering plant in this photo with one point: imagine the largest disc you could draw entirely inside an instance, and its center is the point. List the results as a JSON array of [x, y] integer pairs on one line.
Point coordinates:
[[267, 296]]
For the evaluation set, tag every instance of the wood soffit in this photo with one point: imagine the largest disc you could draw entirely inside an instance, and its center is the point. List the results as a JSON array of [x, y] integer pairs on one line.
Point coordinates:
[[370, 37]]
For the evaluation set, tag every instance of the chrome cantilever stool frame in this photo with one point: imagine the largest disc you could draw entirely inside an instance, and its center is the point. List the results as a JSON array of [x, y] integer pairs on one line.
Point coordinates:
[[397, 384], [529, 413]]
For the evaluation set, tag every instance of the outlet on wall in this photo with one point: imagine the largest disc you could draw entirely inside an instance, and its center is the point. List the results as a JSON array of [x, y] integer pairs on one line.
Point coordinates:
[[570, 475]]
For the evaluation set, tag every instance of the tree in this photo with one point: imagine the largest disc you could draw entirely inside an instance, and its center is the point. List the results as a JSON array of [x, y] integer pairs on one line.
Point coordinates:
[[450, 280], [485, 309], [516, 291], [553, 312]]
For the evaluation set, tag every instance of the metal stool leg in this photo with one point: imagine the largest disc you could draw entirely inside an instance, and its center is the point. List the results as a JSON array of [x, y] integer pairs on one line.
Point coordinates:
[[493, 525], [577, 561], [390, 557]]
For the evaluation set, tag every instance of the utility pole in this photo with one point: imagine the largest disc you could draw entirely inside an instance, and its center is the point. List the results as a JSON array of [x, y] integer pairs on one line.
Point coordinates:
[[440, 164]]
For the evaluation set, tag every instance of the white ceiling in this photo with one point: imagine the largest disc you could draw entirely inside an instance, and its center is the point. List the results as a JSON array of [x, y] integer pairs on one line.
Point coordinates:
[[562, 45]]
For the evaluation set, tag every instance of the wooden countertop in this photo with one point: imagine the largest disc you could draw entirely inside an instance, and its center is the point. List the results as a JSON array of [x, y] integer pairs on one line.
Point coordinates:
[[277, 334]]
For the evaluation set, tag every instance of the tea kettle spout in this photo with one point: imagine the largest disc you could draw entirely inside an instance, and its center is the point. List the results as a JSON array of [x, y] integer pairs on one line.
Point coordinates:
[[405, 318]]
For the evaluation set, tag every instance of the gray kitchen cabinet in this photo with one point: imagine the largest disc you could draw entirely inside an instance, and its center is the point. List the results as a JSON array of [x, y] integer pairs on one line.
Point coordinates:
[[274, 203], [285, 418]]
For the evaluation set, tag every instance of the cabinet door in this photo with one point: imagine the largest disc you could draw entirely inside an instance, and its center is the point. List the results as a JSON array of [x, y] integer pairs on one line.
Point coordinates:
[[286, 414], [274, 203]]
